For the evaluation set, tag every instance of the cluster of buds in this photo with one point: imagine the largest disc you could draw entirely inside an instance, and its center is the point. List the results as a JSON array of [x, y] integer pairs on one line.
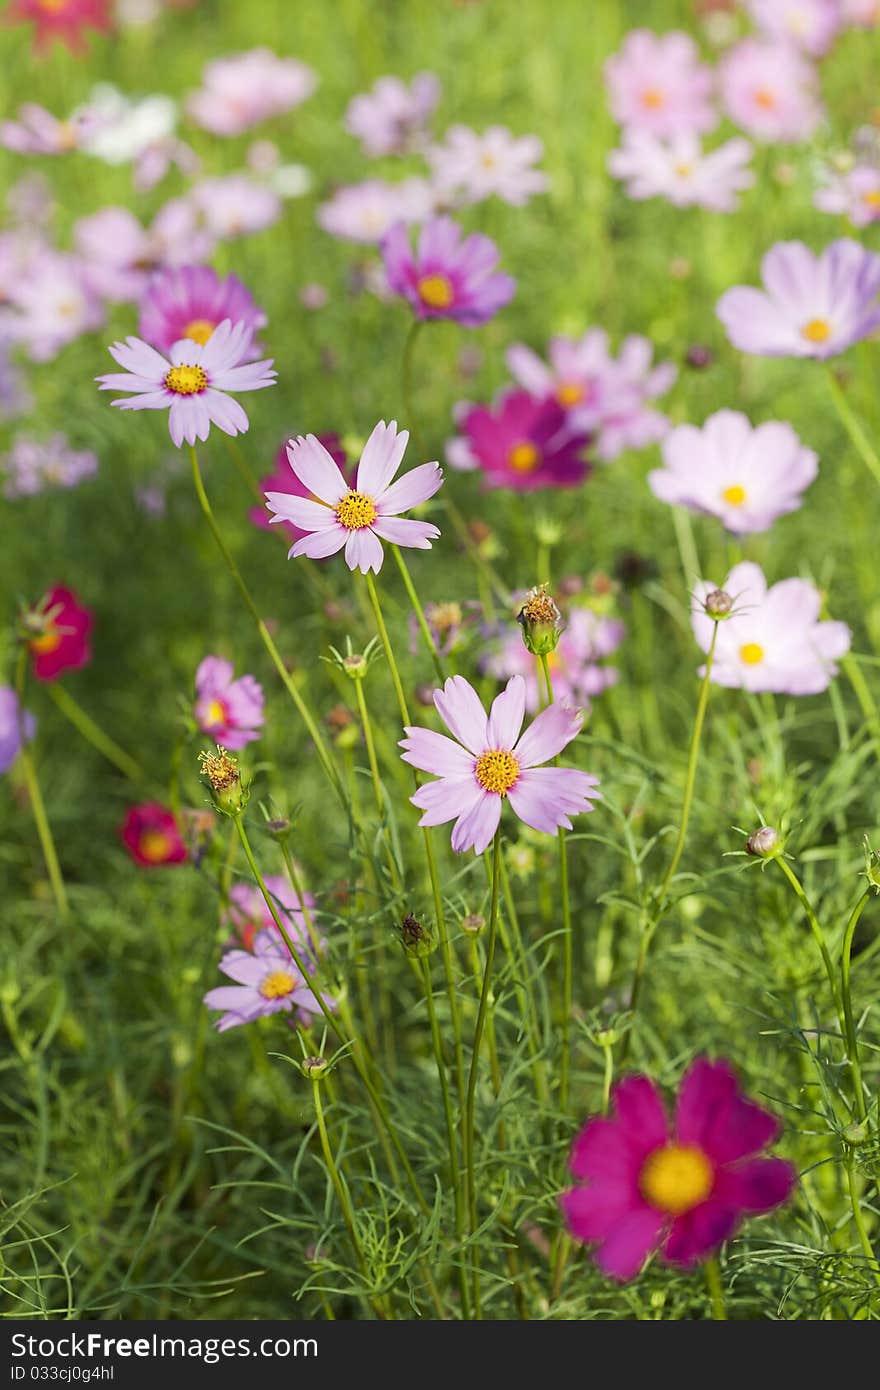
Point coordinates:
[[541, 621], [220, 771], [414, 938]]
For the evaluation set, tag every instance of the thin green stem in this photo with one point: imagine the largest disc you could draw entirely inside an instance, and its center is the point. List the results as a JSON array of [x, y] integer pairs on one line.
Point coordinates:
[[420, 616], [567, 940], [95, 735], [852, 1042], [818, 935], [853, 427], [858, 1216], [716, 1290], [35, 796]]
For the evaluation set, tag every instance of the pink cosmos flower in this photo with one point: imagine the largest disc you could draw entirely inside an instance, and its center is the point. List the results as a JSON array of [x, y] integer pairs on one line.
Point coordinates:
[[13, 724], [862, 14], [656, 83], [37, 131], [35, 464], [64, 20], [50, 305], [811, 25], [774, 640], [156, 159], [334, 514], [229, 711], [677, 169], [239, 92], [283, 479], [267, 982], [248, 913], [770, 90], [150, 834], [523, 444], [119, 256], [682, 1192], [192, 383], [855, 193], [811, 306], [492, 761], [61, 628], [15, 398], [365, 211], [190, 302], [745, 476], [577, 676], [391, 118], [447, 277], [469, 167], [236, 205]]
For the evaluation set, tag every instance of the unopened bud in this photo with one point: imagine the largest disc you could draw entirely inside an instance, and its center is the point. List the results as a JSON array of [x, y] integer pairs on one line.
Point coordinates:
[[355, 666], [473, 924], [541, 621], [280, 827], [699, 357], [717, 604], [220, 771], [763, 843], [856, 1134], [872, 867], [313, 1068]]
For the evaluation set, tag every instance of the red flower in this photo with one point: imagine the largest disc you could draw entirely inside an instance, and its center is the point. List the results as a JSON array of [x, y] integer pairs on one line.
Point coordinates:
[[61, 628], [283, 479], [149, 833], [61, 19]]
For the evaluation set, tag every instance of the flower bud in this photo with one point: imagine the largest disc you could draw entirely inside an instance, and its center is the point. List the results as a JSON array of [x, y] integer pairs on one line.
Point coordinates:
[[313, 1068], [764, 843], [473, 924], [220, 771], [718, 605], [856, 1134], [541, 621], [699, 357], [872, 867], [355, 666], [416, 941]]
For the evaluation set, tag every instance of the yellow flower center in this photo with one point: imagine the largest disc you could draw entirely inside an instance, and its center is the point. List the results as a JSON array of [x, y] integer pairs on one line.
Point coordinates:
[[488, 160], [48, 642], [816, 331], [199, 330], [355, 511], [496, 771], [765, 99], [524, 457], [684, 171], [155, 846], [277, 984], [751, 653], [653, 98], [735, 495], [435, 291], [676, 1178], [872, 199], [569, 394], [216, 712], [186, 381], [53, 6]]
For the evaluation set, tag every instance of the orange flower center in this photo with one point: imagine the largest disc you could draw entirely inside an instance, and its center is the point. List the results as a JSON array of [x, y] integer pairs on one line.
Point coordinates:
[[751, 653], [216, 713], [277, 984], [199, 330], [816, 331], [569, 394], [155, 846], [765, 99], [436, 291], [872, 199], [186, 381], [355, 511], [47, 642], [524, 457], [676, 1178], [653, 98], [735, 495], [496, 771]]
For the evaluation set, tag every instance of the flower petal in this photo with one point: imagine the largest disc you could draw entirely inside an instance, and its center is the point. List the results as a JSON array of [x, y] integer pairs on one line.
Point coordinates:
[[432, 752], [316, 470], [622, 1254], [547, 735], [411, 490], [476, 828], [364, 551], [382, 456], [506, 715], [458, 705]]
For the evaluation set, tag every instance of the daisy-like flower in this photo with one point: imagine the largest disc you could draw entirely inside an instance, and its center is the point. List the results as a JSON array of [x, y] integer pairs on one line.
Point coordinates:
[[125, 128], [35, 464], [229, 711], [521, 443], [239, 92], [50, 304], [677, 169], [248, 913], [392, 117], [773, 641], [190, 302], [575, 669], [811, 25], [58, 629], [37, 131], [770, 90], [335, 514], [64, 20], [492, 761], [811, 306], [118, 256], [283, 479], [745, 476], [14, 723], [855, 193], [657, 83], [861, 14], [267, 982], [469, 167], [192, 382], [684, 1191], [236, 205], [447, 277], [364, 212], [150, 834]]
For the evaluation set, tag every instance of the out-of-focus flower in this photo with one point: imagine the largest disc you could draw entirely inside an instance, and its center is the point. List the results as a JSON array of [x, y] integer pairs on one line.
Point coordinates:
[[150, 834], [657, 83], [575, 669], [239, 92], [811, 25], [34, 464], [14, 722], [745, 476], [365, 211], [392, 117], [469, 167], [773, 639], [124, 127], [446, 277], [855, 193], [230, 711], [236, 205], [446, 624], [521, 443], [314, 296], [283, 479], [58, 630], [862, 14], [491, 761], [153, 163], [642, 1188], [50, 304], [15, 398], [811, 306], [248, 913], [677, 169], [334, 514], [30, 201], [770, 90], [267, 982], [37, 131], [190, 301], [64, 20], [191, 384], [118, 255]]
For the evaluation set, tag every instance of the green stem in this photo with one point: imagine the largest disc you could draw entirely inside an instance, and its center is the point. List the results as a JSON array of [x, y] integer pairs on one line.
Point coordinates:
[[437, 1043], [818, 935], [716, 1289], [853, 427], [858, 1217], [406, 377], [38, 807], [852, 1042], [95, 735], [567, 942], [420, 616]]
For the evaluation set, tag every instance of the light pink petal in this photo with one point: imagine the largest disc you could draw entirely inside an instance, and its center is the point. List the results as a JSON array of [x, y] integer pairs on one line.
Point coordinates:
[[302, 511], [226, 413], [476, 828], [447, 799], [316, 470], [415, 535], [214, 674], [506, 715], [138, 357], [458, 705], [363, 551], [320, 544], [545, 797], [547, 735], [382, 456], [411, 490], [432, 752]]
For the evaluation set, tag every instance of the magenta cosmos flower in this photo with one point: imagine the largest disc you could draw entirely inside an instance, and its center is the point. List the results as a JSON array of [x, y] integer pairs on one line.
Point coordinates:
[[770, 91], [811, 306], [586, 640], [192, 383], [334, 514], [17, 726], [267, 981], [283, 479], [524, 444], [65, 20], [492, 762], [657, 83], [676, 168], [190, 303], [681, 1191], [391, 117], [744, 475], [447, 277], [239, 92], [229, 711], [773, 641]]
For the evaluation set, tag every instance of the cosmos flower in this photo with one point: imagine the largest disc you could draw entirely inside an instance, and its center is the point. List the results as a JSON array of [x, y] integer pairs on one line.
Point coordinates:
[[283, 479], [773, 640], [811, 306], [15, 398], [50, 304], [60, 628], [35, 464], [229, 711], [248, 913], [656, 83], [364, 212], [267, 982], [745, 476], [811, 25], [235, 205], [522, 443], [770, 90], [492, 761], [684, 1191], [64, 20], [469, 167], [575, 670], [150, 834], [190, 301], [334, 514], [855, 193], [37, 131], [118, 256], [677, 169], [192, 383], [446, 277], [124, 128], [239, 92], [392, 117], [13, 724], [861, 14]]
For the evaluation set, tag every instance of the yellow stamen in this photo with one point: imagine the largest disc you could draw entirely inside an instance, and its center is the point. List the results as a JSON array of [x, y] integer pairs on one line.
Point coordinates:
[[355, 511], [872, 199], [155, 846], [751, 653], [220, 768], [216, 713], [765, 99], [48, 642], [496, 771], [436, 291], [735, 495], [569, 393], [684, 171], [186, 381], [199, 330], [524, 457], [653, 98], [676, 1178], [277, 985], [816, 331]]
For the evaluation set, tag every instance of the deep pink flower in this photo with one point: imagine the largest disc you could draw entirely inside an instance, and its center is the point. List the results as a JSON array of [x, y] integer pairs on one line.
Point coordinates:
[[657, 83], [770, 90], [447, 277], [391, 117], [283, 479], [229, 711], [267, 982], [190, 302], [150, 834], [492, 762], [524, 444], [334, 514], [61, 629], [64, 20], [682, 1192], [239, 92]]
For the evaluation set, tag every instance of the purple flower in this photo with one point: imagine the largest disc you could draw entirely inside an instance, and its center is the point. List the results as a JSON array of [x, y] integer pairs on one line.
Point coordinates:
[[118, 255], [469, 167], [677, 169], [364, 212], [855, 193], [229, 711], [13, 723], [657, 83], [267, 982], [37, 131], [335, 515], [191, 384], [391, 117], [446, 278], [491, 761], [577, 676], [522, 443], [811, 25], [190, 302], [770, 90], [35, 464], [241, 91], [248, 913], [50, 304], [773, 640], [745, 476], [811, 306]]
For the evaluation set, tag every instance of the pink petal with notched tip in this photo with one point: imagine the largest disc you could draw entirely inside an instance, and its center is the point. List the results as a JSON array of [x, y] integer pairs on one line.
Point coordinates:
[[458, 705], [317, 470]]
